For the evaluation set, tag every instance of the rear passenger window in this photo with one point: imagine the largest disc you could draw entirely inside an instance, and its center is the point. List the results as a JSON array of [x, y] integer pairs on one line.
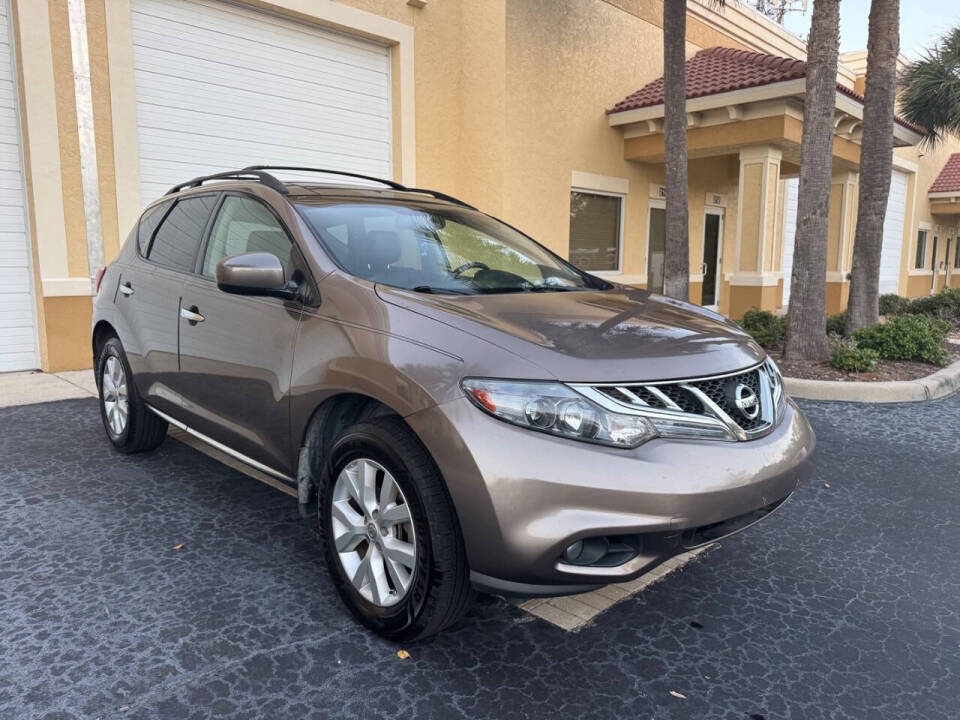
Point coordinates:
[[176, 241], [148, 223], [245, 225]]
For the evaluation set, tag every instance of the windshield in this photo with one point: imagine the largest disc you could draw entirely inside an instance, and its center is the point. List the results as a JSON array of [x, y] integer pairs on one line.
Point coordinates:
[[442, 250]]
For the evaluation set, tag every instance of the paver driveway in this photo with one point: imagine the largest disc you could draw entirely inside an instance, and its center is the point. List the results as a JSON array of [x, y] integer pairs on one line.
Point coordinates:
[[845, 604]]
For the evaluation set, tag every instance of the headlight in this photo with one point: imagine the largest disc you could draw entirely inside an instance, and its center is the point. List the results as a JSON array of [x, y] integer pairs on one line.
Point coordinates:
[[776, 389], [556, 409]]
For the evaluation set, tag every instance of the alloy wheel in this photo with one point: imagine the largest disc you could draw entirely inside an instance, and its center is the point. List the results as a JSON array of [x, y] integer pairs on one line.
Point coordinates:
[[373, 532], [116, 404]]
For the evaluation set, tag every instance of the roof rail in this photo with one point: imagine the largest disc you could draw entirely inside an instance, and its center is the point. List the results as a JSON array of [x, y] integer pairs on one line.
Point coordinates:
[[245, 174], [260, 174], [388, 183]]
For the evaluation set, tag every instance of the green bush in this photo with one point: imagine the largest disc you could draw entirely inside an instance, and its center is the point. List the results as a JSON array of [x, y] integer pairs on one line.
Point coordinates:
[[907, 337], [765, 327], [849, 356], [945, 305], [893, 304], [836, 324]]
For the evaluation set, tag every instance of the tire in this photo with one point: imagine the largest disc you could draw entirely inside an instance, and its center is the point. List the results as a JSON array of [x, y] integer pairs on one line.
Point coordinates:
[[140, 430], [439, 590]]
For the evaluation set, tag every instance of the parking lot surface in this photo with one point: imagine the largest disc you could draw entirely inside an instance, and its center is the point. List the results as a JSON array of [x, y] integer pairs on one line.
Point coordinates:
[[843, 604]]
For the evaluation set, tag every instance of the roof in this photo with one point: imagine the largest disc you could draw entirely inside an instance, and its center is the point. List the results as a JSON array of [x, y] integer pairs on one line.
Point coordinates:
[[719, 69], [949, 178]]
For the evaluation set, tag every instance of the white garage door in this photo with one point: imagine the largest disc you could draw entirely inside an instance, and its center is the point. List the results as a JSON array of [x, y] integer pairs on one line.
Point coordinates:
[[220, 87], [892, 248], [18, 329], [789, 232]]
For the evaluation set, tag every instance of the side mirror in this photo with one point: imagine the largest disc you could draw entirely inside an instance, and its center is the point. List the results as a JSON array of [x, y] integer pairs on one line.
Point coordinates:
[[258, 273]]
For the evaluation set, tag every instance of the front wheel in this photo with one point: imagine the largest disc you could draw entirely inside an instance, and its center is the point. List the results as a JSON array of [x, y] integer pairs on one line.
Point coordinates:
[[130, 426], [390, 533]]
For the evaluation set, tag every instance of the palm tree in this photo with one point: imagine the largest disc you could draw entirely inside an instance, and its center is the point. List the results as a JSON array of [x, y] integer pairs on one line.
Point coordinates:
[[876, 158], [676, 257], [930, 89], [806, 322]]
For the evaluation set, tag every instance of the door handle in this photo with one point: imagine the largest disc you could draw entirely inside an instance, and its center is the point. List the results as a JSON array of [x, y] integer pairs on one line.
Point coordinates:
[[191, 315], [126, 289], [703, 268]]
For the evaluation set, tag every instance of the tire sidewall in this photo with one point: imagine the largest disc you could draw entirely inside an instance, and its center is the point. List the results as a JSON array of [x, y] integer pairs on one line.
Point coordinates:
[[392, 620], [112, 348]]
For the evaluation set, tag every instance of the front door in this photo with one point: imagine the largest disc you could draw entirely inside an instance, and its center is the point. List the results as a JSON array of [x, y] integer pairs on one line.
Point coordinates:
[[712, 241], [236, 352], [656, 245]]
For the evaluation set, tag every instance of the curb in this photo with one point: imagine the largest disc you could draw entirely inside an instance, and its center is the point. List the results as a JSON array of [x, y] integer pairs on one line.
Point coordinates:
[[940, 384]]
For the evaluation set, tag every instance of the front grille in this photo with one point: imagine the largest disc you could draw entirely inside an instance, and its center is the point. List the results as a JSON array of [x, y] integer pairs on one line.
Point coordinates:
[[714, 397]]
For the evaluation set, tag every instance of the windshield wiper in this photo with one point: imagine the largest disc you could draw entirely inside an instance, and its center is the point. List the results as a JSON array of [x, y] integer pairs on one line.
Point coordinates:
[[431, 290]]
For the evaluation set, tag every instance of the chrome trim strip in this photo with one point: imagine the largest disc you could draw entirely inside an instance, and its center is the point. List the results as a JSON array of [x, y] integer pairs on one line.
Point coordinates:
[[222, 448], [737, 431], [608, 403], [635, 399], [675, 381], [662, 397]]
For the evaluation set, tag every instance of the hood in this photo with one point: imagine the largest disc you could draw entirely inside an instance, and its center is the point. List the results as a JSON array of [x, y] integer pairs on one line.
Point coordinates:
[[618, 335]]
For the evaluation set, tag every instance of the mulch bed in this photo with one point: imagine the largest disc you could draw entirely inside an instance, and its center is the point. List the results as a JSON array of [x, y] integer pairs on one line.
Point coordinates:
[[884, 369]]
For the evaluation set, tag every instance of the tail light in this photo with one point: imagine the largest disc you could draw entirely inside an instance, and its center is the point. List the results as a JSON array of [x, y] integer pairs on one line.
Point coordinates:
[[99, 279]]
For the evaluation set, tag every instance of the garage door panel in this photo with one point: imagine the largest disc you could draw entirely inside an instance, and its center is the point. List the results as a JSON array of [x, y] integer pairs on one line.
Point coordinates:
[[317, 93], [233, 24], [221, 86], [18, 335], [254, 137], [336, 69], [893, 224]]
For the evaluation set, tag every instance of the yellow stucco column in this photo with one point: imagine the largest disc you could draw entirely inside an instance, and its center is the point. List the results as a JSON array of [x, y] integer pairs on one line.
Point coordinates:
[[751, 273], [841, 225]]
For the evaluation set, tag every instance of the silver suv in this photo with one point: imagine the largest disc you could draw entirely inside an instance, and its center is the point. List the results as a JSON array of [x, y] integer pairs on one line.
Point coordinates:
[[468, 409]]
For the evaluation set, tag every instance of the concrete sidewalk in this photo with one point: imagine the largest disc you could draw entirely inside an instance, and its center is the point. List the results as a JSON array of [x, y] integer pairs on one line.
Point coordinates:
[[26, 388]]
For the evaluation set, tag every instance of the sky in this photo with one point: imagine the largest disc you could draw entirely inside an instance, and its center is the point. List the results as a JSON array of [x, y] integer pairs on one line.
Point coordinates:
[[921, 22]]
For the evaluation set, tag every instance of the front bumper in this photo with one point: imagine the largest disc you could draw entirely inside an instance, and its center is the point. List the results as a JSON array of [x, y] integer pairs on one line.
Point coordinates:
[[522, 497]]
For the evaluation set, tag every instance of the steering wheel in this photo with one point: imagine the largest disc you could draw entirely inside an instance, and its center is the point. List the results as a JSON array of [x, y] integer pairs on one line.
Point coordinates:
[[469, 266]]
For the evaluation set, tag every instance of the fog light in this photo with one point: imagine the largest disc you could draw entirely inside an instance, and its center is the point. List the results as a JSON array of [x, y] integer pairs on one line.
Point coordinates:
[[586, 552]]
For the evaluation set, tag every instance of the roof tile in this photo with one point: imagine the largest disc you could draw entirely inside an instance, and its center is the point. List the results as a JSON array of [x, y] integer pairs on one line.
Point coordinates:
[[719, 69], [949, 178]]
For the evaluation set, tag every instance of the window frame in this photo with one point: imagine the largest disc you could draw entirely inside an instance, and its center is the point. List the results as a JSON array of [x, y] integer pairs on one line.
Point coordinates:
[[166, 215], [925, 232], [956, 253], [620, 229]]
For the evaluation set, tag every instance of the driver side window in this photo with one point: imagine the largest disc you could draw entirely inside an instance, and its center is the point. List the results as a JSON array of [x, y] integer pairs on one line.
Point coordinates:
[[245, 225]]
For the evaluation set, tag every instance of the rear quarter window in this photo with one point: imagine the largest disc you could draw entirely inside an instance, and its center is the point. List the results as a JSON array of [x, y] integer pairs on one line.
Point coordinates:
[[148, 224], [176, 241]]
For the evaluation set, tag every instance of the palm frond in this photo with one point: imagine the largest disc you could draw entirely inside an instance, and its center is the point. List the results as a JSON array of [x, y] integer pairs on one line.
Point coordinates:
[[930, 90]]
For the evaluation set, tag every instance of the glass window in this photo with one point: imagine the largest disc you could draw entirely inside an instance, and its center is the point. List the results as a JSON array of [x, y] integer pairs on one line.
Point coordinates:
[[656, 249], [176, 241], [921, 250], [595, 231], [245, 225], [956, 257], [432, 248], [148, 223]]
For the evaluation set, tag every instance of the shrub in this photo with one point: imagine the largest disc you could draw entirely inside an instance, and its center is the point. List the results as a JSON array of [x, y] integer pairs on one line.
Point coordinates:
[[907, 337], [765, 327], [836, 324], [849, 356], [893, 304], [945, 305]]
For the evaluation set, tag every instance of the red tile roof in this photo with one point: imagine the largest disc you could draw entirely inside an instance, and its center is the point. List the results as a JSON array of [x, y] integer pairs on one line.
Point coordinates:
[[720, 69], [949, 178]]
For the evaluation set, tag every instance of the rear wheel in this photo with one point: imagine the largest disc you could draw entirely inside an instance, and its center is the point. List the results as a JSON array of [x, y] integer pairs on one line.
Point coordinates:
[[390, 533], [130, 426]]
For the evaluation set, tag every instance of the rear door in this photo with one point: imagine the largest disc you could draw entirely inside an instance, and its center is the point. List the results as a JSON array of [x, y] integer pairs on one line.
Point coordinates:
[[236, 352], [148, 294]]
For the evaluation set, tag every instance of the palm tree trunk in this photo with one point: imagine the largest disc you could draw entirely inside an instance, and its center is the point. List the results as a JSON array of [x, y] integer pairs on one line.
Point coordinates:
[[806, 322], [676, 260], [876, 158]]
